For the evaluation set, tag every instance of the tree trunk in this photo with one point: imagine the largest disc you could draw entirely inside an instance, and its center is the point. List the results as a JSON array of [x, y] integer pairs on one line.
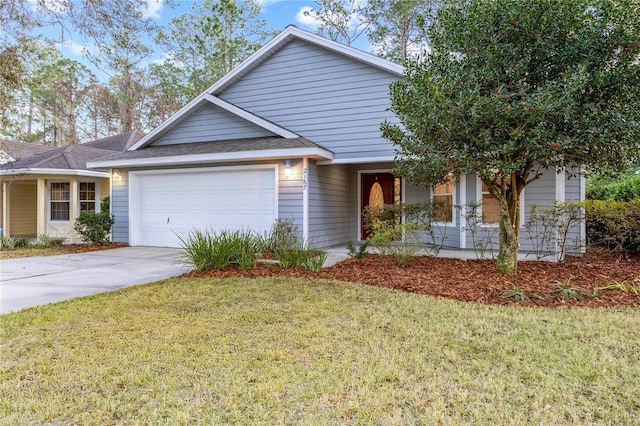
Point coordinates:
[[509, 242], [509, 229]]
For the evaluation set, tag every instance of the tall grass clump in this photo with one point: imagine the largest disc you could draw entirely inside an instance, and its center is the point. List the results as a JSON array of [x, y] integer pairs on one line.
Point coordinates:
[[285, 243], [301, 254], [12, 243], [207, 251]]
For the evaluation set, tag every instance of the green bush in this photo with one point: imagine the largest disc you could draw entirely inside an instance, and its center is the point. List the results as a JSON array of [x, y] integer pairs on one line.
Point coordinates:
[[613, 224], [302, 255], [95, 228], [207, 251], [398, 230], [284, 233], [11, 243], [625, 187], [47, 241]]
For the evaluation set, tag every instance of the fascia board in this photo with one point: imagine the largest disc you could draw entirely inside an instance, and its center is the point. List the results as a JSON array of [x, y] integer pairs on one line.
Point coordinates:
[[56, 172], [356, 160], [215, 158]]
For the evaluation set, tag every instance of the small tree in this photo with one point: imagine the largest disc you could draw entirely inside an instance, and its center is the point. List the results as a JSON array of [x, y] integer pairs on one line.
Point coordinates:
[[96, 227], [516, 87]]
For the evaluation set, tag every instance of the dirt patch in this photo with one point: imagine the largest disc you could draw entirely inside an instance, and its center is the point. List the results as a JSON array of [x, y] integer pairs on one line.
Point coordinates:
[[478, 280]]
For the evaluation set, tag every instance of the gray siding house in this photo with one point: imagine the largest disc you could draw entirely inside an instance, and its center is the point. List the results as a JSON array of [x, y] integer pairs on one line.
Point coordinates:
[[291, 133]]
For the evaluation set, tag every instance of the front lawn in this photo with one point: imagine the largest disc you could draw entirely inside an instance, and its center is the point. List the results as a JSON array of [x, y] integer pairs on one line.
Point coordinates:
[[36, 250], [295, 351]]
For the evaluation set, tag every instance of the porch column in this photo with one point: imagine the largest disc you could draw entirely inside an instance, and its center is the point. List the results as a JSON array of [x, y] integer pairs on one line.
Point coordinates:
[[41, 215], [73, 209], [5, 208]]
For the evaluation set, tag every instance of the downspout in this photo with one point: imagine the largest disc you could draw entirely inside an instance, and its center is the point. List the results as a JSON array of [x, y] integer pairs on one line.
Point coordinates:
[[305, 200], [5, 208], [560, 197]]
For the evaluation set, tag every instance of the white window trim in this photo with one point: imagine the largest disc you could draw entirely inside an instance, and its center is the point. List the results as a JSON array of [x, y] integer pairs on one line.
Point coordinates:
[[479, 200], [49, 201], [97, 200], [454, 194]]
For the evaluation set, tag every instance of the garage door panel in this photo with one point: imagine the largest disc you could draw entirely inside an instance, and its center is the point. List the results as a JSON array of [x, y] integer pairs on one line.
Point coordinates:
[[174, 203]]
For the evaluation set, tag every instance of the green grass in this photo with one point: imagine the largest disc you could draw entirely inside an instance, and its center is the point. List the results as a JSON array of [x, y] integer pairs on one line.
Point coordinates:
[[285, 351], [31, 251]]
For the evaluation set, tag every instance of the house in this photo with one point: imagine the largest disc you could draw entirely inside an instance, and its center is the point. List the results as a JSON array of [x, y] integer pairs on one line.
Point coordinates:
[[45, 188], [291, 133]]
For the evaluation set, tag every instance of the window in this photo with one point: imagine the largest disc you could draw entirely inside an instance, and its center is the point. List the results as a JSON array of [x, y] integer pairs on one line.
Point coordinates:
[[490, 206], [443, 201], [59, 200], [87, 197]]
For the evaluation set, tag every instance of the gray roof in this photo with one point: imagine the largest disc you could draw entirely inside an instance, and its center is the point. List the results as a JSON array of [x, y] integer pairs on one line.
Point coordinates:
[[217, 147], [22, 149], [118, 142], [75, 157]]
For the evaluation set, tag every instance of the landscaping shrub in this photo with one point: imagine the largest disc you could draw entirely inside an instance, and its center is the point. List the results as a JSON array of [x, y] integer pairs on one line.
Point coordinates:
[[357, 252], [11, 243], [548, 228], [47, 241], [302, 255], [613, 224], [207, 251], [625, 187], [283, 233], [95, 228], [399, 229]]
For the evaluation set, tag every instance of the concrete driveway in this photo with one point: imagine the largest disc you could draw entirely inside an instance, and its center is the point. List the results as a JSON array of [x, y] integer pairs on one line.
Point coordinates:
[[33, 281]]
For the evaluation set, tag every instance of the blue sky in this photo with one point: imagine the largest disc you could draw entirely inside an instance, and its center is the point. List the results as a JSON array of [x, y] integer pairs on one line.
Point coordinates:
[[278, 13]]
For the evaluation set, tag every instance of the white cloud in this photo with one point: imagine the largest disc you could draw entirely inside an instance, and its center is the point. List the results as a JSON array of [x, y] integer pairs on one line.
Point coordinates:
[[167, 57], [76, 49], [305, 17], [152, 9], [57, 6], [264, 3]]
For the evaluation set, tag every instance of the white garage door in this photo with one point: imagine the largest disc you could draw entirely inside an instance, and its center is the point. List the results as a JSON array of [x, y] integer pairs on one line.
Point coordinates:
[[169, 203]]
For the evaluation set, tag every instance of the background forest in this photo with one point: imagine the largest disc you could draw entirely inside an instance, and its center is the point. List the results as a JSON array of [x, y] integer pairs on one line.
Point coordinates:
[[51, 99]]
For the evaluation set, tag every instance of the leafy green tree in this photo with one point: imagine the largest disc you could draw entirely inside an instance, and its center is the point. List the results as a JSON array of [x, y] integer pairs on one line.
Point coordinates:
[[517, 87], [18, 48], [397, 27], [60, 87], [204, 45], [343, 21], [117, 29]]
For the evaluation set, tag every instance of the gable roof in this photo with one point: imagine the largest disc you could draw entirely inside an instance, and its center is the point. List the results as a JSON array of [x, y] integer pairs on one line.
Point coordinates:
[[71, 159], [288, 35]]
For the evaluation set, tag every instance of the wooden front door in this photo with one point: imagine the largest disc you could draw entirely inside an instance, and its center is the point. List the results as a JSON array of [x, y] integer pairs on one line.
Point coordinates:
[[377, 189]]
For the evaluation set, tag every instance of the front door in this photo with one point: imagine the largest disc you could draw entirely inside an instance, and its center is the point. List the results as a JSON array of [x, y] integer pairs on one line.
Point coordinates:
[[378, 189]]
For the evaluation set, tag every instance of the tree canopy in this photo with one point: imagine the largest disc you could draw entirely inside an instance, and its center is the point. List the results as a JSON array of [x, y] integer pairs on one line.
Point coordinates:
[[516, 87]]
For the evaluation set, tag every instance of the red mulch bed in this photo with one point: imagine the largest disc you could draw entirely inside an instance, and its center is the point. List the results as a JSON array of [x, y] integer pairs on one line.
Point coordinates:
[[83, 248], [478, 280]]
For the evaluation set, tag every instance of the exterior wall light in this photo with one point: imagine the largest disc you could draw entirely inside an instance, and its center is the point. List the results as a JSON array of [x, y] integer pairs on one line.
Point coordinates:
[[288, 171], [116, 176]]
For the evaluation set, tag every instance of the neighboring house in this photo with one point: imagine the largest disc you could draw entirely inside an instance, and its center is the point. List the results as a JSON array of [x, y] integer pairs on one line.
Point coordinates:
[[45, 189], [291, 133]]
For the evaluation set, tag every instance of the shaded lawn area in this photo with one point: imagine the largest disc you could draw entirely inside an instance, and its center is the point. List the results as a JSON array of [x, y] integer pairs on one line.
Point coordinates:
[[298, 351], [54, 251]]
